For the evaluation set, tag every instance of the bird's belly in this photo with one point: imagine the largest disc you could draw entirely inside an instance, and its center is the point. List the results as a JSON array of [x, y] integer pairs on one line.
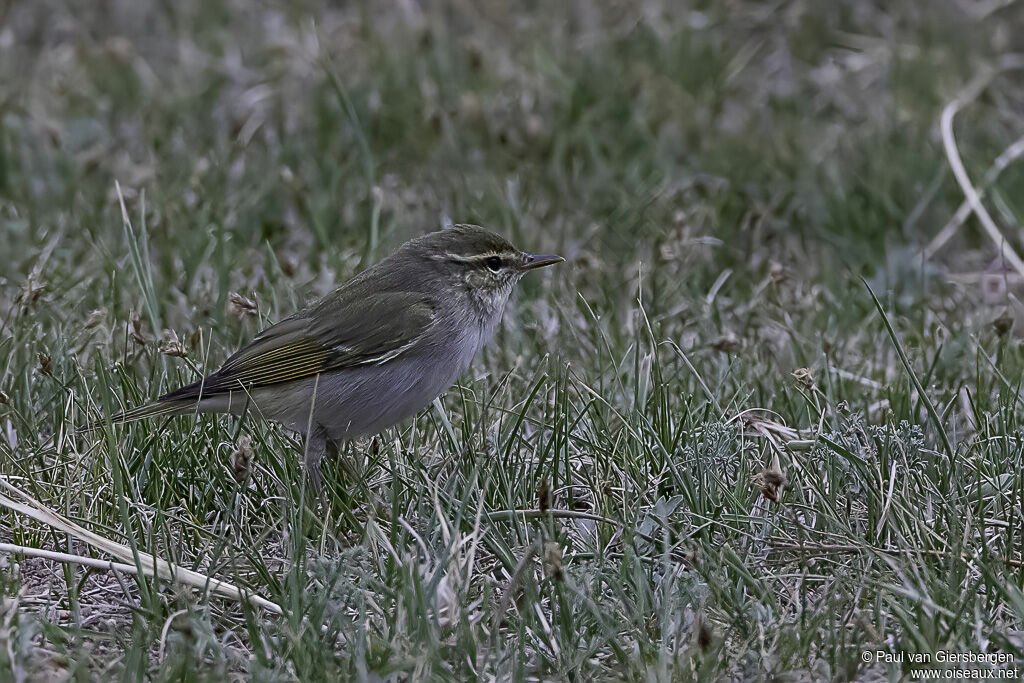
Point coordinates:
[[363, 400], [382, 397]]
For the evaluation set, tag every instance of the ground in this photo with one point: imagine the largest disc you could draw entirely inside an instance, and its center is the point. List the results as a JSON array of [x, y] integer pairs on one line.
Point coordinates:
[[763, 423]]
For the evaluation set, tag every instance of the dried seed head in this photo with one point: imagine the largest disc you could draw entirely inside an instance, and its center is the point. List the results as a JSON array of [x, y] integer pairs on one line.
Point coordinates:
[[426, 39], [553, 561], [289, 264], [771, 482], [993, 286], [686, 556], [436, 123], [240, 306], [804, 376], [135, 328], [95, 318], [668, 252], [183, 625], [241, 459], [31, 291], [170, 345], [728, 343], [1003, 325], [475, 57], [704, 634], [45, 364], [544, 495]]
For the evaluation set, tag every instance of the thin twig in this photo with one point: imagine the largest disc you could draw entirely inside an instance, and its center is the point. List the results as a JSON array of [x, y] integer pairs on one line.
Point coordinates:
[[91, 562]]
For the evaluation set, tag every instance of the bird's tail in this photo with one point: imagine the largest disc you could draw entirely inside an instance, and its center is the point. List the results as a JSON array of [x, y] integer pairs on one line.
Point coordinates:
[[154, 409]]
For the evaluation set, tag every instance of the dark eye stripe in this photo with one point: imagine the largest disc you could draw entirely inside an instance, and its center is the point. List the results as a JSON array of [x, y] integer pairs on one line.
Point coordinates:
[[494, 262]]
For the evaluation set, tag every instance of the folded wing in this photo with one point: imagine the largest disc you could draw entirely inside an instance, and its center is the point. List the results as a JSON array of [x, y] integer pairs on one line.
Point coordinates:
[[336, 335]]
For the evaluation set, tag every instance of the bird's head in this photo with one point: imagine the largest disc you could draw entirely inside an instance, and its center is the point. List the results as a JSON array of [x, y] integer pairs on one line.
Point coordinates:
[[477, 261]]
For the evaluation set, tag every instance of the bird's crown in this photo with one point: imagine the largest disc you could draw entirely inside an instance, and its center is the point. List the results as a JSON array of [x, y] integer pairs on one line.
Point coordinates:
[[464, 241]]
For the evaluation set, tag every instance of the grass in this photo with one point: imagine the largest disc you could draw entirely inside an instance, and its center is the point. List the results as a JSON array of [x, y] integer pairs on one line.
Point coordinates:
[[700, 449]]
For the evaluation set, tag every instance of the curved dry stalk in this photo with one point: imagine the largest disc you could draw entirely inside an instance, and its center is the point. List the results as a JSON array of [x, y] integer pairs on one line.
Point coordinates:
[[146, 563], [1002, 162], [68, 558], [967, 95]]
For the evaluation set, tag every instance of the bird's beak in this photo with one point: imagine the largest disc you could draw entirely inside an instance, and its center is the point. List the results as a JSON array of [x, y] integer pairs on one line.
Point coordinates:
[[540, 260]]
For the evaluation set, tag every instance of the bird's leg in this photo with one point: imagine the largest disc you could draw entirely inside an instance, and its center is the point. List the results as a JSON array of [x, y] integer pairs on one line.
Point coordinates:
[[332, 452], [333, 449], [315, 447]]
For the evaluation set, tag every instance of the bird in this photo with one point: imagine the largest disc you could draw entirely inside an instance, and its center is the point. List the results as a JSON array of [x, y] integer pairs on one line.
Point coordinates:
[[373, 352]]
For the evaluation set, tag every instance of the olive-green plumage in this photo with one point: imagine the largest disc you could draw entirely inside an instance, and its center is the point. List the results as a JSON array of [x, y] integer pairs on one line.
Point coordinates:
[[372, 352]]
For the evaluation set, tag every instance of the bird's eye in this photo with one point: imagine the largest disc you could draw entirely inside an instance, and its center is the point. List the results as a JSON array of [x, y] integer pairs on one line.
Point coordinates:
[[493, 263]]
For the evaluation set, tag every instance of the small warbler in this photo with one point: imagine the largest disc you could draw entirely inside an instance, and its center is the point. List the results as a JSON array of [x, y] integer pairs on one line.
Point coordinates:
[[372, 352]]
